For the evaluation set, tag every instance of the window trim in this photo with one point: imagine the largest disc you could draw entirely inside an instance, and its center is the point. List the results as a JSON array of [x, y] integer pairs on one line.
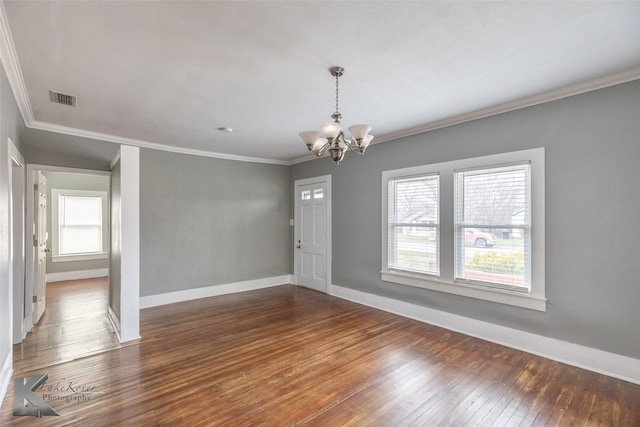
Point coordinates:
[[535, 298], [55, 254]]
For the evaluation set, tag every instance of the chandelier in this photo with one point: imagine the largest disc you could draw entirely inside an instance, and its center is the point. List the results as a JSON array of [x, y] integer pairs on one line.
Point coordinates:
[[333, 140]]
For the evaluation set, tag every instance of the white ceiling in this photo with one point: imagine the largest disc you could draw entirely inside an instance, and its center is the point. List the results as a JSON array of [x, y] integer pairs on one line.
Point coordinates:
[[170, 73]]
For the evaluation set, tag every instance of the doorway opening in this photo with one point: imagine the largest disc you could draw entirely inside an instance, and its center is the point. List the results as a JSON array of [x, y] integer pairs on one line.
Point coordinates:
[[67, 218]]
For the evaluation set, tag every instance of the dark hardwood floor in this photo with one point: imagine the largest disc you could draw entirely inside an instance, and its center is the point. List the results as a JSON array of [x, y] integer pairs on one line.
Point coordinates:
[[74, 325], [288, 356]]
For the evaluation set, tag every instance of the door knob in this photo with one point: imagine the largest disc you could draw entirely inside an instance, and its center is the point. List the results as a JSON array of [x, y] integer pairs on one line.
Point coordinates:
[[298, 246]]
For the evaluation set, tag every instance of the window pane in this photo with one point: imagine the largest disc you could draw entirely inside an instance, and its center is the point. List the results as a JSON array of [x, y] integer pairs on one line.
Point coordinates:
[[81, 210], [492, 220], [413, 224], [80, 224], [80, 239], [306, 195], [318, 193]]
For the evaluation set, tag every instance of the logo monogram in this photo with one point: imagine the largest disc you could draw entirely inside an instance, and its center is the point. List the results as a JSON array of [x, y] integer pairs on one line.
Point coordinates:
[[24, 392]]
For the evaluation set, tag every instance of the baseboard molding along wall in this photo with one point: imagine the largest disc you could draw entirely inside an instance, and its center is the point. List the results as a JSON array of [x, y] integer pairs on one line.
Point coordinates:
[[77, 275], [602, 362], [212, 291]]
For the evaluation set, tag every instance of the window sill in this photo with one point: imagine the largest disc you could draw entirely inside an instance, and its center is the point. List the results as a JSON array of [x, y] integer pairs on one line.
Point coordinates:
[[69, 258], [494, 295]]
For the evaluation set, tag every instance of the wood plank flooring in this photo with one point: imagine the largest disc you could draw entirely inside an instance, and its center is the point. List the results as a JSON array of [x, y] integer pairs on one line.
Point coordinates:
[[288, 356], [74, 325]]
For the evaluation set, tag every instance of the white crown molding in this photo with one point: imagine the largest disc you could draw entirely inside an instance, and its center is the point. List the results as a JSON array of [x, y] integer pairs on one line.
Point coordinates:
[[11, 65], [577, 89], [50, 127], [14, 74], [12, 68]]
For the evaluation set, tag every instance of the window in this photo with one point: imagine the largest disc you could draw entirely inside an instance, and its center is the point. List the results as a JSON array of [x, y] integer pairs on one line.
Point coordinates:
[[79, 225], [412, 226], [492, 222], [472, 227]]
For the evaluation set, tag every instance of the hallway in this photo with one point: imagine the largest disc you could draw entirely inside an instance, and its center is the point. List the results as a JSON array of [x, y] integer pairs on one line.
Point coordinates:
[[74, 325]]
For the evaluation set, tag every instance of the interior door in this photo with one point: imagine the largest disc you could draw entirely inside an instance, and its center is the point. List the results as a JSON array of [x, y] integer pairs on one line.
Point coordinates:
[[40, 249], [312, 236]]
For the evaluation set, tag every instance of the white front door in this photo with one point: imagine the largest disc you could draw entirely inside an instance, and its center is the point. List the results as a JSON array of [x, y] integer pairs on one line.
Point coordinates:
[[312, 235], [40, 249]]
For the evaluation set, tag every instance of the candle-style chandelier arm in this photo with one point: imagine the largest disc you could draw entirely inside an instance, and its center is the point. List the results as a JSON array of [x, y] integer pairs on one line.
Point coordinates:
[[334, 141]]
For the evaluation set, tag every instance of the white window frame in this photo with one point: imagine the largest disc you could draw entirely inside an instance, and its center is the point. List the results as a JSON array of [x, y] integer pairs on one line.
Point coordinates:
[[535, 298], [55, 246]]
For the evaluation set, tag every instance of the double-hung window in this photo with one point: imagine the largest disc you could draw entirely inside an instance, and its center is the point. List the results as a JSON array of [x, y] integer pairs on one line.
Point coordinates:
[[80, 229], [492, 223], [471, 227], [412, 226]]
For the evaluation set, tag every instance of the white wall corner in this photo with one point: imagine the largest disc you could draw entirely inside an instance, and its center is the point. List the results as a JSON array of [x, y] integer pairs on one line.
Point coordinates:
[[130, 243], [610, 364]]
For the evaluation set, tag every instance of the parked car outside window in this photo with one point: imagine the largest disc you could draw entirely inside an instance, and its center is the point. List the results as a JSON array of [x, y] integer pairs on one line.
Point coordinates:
[[478, 238], [472, 237]]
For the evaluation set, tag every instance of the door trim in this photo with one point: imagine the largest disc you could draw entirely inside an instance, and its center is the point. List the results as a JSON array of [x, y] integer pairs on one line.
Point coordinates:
[[296, 254], [16, 240]]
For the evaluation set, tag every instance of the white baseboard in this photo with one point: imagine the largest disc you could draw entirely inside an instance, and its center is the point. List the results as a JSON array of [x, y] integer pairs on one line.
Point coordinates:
[[5, 375], [610, 364], [212, 291], [77, 275]]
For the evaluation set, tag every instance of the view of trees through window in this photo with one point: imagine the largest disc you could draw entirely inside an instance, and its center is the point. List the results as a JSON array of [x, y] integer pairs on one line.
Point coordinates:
[[413, 224], [492, 225], [492, 216]]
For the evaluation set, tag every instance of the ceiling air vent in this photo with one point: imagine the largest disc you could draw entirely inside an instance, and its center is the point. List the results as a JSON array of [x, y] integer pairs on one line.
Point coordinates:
[[62, 98]]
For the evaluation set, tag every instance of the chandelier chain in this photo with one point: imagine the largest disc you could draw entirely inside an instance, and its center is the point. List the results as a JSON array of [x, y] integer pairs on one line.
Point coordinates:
[[337, 93]]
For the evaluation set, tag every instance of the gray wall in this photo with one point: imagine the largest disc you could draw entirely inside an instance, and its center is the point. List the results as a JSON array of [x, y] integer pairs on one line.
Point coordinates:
[[115, 276], [10, 125], [592, 202], [206, 221], [71, 181]]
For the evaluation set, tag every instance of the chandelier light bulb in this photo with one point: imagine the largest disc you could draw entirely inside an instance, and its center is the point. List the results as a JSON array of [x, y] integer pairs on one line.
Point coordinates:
[[366, 141], [331, 130], [318, 145], [359, 131], [310, 137]]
